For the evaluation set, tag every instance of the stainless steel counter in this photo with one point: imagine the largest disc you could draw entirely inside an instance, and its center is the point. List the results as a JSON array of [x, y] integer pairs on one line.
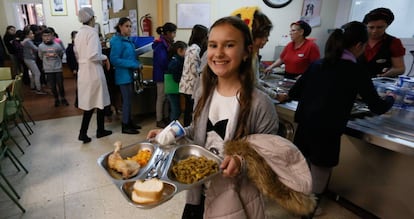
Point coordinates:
[[393, 130]]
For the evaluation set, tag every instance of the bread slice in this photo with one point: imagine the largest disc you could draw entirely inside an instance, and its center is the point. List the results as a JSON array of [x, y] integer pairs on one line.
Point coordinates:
[[147, 191]]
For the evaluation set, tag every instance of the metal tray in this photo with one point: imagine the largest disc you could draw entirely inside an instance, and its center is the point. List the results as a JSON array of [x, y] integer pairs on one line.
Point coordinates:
[[160, 166]]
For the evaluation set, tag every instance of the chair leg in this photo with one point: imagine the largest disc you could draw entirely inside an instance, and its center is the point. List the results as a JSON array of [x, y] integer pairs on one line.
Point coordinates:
[[21, 131], [12, 198], [9, 152], [10, 185], [15, 142], [26, 125], [28, 115], [14, 163]]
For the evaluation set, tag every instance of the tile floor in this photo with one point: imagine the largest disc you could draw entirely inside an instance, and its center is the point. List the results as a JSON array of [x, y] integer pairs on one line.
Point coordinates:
[[64, 180]]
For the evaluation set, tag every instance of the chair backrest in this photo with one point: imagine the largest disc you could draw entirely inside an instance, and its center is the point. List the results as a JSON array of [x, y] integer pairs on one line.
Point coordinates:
[[2, 107], [5, 73], [16, 91]]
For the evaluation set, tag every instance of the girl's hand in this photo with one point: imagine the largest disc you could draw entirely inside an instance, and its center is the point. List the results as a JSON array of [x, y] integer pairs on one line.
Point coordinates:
[[231, 166], [153, 133]]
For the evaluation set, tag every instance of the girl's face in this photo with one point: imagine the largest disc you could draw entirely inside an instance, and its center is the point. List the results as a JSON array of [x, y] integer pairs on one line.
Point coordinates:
[[30, 35], [376, 29], [225, 50], [170, 35], [125, 28]]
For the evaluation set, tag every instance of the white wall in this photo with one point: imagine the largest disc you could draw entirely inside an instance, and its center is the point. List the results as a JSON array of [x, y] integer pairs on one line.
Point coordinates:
[[281, 18]]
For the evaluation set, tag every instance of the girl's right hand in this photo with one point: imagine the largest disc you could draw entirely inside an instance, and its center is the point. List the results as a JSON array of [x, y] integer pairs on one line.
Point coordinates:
[[152, 133]]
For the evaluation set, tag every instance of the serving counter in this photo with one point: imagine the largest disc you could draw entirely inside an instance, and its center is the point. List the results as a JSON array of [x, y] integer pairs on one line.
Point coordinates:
[[375, 170]]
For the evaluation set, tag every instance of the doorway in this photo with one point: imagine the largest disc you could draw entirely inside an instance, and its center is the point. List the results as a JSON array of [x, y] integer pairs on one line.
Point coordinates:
[[29, 13]]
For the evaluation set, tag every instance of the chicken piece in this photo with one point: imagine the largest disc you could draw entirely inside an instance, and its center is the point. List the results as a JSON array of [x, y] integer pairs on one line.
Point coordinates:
[[128, 168]]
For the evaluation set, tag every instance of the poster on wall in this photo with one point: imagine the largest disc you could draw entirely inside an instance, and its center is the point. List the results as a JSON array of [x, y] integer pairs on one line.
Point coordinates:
[[311, 12], [58, 8], [81, 4], [189, 14]]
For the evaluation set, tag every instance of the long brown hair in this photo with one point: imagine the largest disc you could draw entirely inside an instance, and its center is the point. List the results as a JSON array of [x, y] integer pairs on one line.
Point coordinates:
[[246, 77]]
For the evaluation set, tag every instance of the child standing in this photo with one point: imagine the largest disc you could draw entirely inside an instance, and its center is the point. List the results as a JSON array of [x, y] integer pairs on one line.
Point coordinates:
[[192, 68], [172, 77], [228, 108], [51, 55]]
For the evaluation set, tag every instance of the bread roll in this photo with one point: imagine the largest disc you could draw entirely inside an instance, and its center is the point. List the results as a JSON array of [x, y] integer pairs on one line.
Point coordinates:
[[147, 191]]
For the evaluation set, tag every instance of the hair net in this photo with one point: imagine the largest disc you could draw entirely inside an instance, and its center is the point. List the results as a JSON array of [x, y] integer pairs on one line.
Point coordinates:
[[85, 14]]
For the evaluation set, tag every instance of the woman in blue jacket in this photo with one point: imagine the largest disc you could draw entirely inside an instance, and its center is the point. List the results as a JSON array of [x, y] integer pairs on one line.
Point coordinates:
[[124, 60]]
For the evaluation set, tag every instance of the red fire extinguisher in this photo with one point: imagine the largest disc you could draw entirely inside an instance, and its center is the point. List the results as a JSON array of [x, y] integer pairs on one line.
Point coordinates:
[[145, 25]]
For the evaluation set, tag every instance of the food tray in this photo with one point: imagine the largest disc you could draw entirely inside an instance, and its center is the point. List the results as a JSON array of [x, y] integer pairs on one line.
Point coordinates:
[[159, 166]]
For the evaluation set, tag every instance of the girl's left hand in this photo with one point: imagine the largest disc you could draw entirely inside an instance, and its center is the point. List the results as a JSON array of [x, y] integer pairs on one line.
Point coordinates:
[[231, 166]]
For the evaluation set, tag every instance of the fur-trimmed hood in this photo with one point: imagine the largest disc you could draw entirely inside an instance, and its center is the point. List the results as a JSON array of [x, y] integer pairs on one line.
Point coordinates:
[[278, 169]]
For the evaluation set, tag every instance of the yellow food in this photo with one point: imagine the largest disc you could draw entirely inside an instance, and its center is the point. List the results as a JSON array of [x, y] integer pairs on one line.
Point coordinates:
[[193, 169], [142, 157]]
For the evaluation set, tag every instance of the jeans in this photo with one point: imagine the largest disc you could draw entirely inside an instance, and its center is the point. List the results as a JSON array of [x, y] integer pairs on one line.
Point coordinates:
[[126, 92], [174, 106], [55, 81], [188, 111]]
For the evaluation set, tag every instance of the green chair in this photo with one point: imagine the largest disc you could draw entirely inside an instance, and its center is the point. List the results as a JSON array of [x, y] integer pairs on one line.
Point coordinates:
[[6, 152], [5, 73], [14, 111], [17, 93]]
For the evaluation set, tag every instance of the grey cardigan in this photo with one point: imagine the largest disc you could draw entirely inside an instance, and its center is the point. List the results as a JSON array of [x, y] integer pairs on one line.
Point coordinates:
[[263, 119]]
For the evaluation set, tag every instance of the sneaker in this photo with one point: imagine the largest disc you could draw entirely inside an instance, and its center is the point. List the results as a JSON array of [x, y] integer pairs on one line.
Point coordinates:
[[64, 102], [41, 92], [57, 103]]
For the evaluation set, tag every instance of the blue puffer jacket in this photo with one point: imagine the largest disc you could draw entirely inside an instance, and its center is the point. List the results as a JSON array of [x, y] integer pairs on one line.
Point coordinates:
[[123, 59], [160, 59]]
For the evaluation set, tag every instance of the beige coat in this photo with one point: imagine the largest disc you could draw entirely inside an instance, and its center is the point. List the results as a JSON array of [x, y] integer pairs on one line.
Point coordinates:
[[274, 167], [92, 87]]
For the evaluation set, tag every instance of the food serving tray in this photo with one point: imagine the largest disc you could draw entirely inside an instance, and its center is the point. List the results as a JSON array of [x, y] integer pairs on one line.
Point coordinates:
[[159, 166]]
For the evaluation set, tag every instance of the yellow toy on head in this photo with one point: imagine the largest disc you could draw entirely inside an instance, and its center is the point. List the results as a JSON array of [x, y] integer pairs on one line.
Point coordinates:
[[246, 14]]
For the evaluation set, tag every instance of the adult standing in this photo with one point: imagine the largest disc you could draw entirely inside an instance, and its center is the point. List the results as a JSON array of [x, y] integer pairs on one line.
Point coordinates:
[[299, 53], [384, 54], [326, 93], [124, 60], [160, 66], [91, 78]]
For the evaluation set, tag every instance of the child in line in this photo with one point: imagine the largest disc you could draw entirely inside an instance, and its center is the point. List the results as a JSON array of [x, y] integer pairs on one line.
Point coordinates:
[[192, 68], [172, 77], [51, 55]]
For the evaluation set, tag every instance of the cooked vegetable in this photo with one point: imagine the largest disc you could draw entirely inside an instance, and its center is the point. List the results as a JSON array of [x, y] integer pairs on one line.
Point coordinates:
[[193, 169]]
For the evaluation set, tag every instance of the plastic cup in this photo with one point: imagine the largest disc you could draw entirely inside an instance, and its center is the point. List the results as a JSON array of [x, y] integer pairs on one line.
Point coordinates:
[[170, 134]]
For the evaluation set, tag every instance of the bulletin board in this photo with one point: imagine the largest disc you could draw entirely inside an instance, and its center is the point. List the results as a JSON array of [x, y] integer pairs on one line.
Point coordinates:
[[189, 14], [111, 18]]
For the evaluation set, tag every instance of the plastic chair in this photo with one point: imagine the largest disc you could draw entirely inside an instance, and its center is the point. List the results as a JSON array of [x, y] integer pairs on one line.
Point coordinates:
[[5, 73], [14, 112], [17, 93], [5, 151]]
